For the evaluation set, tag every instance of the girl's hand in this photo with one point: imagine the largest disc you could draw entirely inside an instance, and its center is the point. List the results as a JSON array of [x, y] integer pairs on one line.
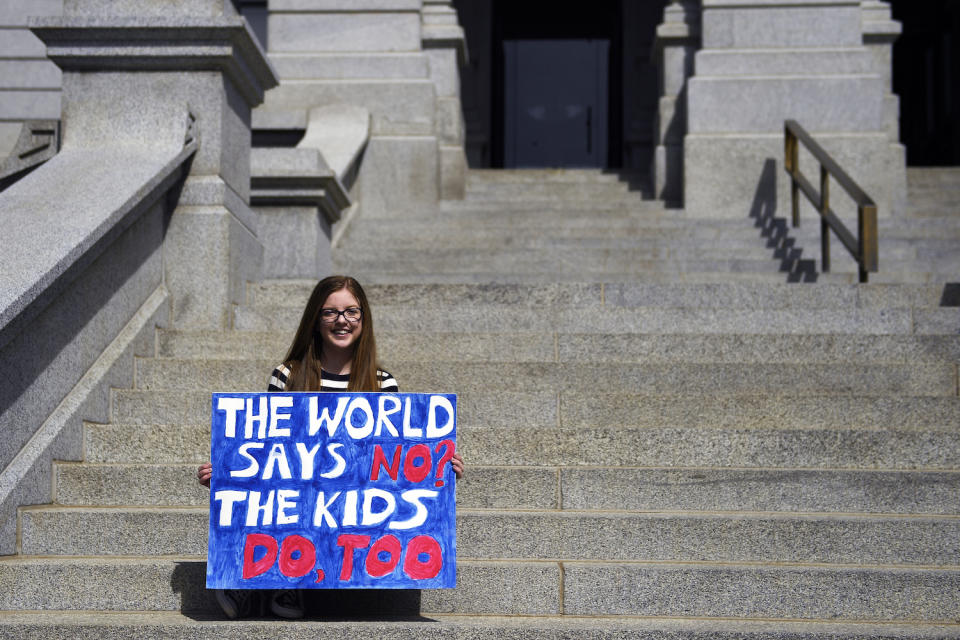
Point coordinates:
[[204, 474], [456, 463]]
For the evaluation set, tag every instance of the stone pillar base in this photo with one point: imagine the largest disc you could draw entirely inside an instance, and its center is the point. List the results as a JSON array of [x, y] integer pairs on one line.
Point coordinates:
[[726, 176], [398, 176]]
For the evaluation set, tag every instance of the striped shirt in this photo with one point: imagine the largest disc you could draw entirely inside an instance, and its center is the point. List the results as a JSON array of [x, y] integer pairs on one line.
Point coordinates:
[[330, 381]]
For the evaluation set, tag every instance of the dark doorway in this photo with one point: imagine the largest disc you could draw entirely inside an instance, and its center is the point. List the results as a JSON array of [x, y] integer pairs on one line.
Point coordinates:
[[926, 76], [555, 103], [557, 83]]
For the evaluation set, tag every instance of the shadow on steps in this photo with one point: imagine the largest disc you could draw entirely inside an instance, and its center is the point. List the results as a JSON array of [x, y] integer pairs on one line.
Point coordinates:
[[196, 601], [776, 231]]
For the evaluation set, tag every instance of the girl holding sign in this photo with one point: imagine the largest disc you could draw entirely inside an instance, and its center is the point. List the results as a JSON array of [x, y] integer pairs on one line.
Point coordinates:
[[334, 349]]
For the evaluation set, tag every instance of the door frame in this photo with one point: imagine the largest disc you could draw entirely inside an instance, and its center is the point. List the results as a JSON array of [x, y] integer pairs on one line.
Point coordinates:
[[559, 20]]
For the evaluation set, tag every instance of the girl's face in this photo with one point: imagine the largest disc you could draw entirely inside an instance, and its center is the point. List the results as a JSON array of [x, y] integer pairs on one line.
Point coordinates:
[[337, 331]]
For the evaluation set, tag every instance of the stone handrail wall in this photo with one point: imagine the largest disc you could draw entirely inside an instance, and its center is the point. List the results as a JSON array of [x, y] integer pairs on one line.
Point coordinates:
[[81, 258], [136, 222]]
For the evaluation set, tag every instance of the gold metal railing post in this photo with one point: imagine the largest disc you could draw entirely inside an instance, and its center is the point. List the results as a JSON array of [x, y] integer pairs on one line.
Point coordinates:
[[867, 223], [863, 247], [792, 160], [824, 225]]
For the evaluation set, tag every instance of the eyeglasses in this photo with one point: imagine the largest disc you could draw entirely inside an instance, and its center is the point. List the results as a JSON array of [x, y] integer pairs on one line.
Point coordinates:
[[350, 314]]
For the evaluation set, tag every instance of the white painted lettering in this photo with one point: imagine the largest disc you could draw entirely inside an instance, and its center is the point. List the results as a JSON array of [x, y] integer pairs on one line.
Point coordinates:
[[321, 513], [284, 502], [227, 499], [260, 418], [383, 414], [254, 509], [439, 402], [340, 465], [350, 509], [358, 433], [332, 424], [306, 460], [408, 431], [230, 406], [278, 402], [253, 467], [277, 458], [371, 517], [413, 496]]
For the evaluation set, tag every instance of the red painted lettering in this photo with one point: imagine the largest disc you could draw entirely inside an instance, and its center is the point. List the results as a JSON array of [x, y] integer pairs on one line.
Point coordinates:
[[416, 472], [418, 569], [448, 450], [380, 460], [253, 568], [377, 567], [305, 560], [349, 542]]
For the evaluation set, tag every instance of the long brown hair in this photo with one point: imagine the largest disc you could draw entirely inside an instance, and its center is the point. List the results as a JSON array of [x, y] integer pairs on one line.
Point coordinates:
[[303, 357]]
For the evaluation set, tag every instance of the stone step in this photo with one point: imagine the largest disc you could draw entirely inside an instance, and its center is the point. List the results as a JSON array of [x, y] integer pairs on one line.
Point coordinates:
[[614, 233], [483, 177], [938, 199], [586, 192], [173, 625], [864, 444], [177, 584], [583, 347], [528, 410], [459, 259], [743, 470], [806, 272], [902, 277], [644, 320], [782, 411], [538, 535], [601, 264], [721, 378], [894, 251], [280, 293], [934, 177], [937, 212], [594, 410], [791, 591], [153, 485], [662, 244], [511, 211], [543, 487], [443, 253], [598, 265], [921, 227], [812, 592], [461, 215]]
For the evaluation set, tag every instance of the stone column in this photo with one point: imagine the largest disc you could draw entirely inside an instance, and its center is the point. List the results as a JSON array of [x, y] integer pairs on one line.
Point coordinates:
[[677, 41], [446, 48], [129, 66], [767, 61], [880, 31], [365, 54]]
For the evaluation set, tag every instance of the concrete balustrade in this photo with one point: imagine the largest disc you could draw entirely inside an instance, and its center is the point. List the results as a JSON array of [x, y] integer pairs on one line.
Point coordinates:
[[140, 219]]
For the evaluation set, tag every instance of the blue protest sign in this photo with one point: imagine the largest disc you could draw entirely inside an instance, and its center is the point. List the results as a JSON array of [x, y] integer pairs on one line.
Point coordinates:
[[332, 491]]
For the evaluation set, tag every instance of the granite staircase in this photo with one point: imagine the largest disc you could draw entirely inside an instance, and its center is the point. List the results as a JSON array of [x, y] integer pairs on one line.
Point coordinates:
[[664, 438]]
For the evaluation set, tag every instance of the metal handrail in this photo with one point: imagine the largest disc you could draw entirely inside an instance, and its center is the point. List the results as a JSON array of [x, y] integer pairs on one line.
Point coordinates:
[[863, 246]]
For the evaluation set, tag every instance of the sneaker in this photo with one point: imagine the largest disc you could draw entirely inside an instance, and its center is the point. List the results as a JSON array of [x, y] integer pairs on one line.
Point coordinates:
[[236, 603], [287, 603]]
